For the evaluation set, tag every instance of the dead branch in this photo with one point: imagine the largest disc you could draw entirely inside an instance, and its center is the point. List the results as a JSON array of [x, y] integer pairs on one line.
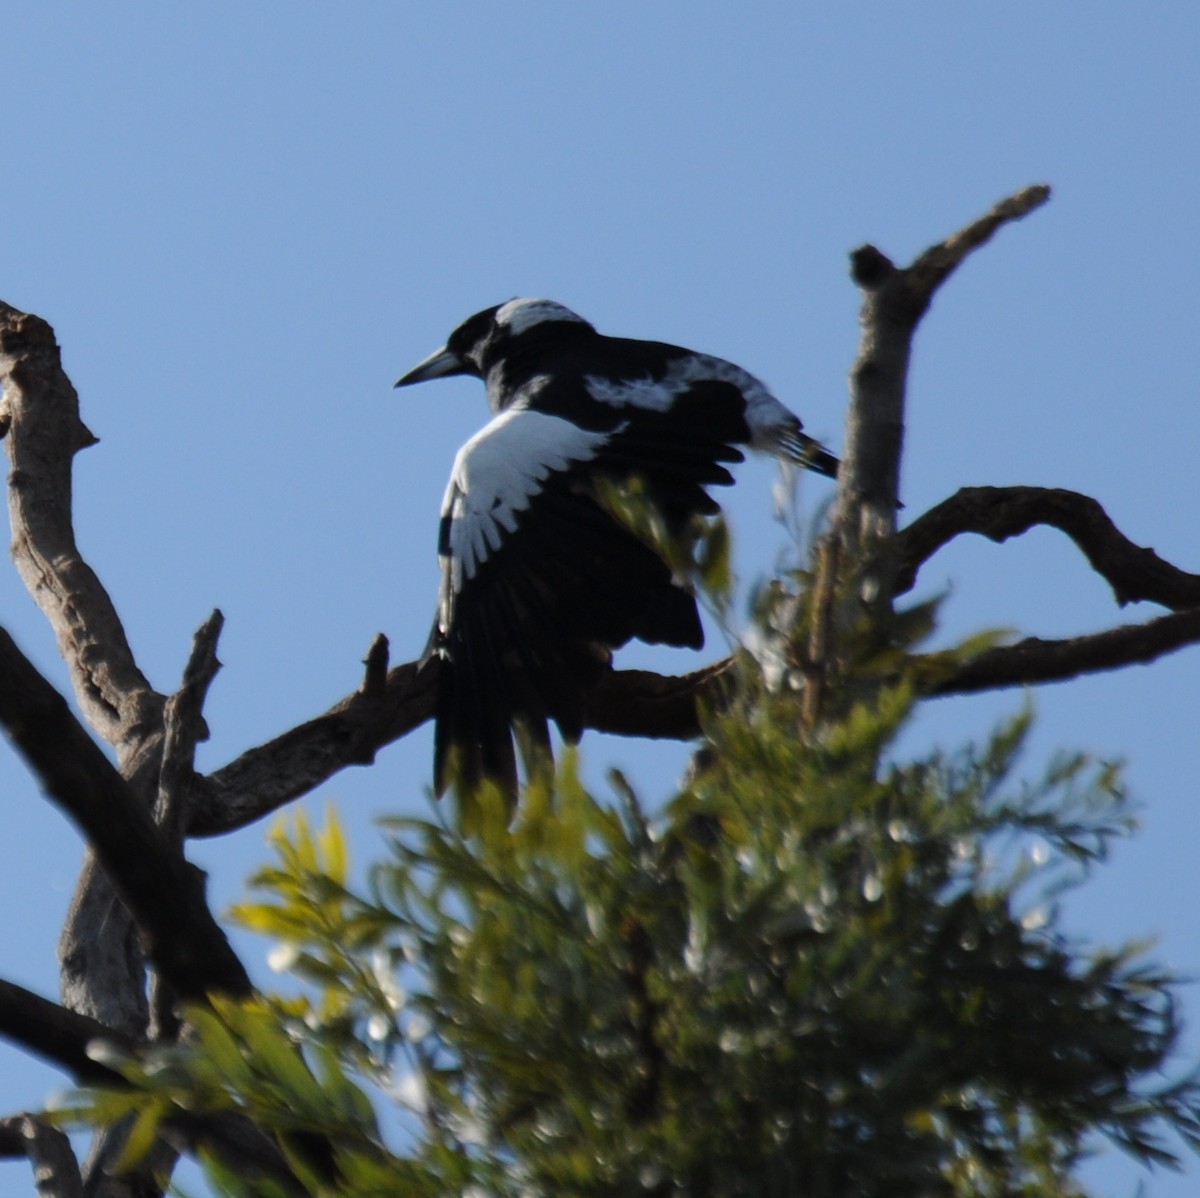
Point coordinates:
[[861, 538], [1134, 573], [58, 1035], [55, 1169], [44, 432], [102, 963], [390, 705], [642, 703], [103, 967], [894, 300], [164, 893], [265, 778], [184, 728], [67, 1040], [1036, 661]]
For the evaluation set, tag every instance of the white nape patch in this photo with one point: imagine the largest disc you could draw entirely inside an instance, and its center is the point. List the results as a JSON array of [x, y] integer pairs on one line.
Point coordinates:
[[521, 314], [765, 415], [496, 475]]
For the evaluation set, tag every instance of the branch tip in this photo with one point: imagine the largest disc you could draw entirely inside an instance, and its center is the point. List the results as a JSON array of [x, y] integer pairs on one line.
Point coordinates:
[[870, 267], [374, 683]]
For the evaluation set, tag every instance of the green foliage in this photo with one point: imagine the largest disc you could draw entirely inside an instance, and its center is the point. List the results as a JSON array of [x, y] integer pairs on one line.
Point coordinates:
[[818, 971], [815, 974], [241, 1057]]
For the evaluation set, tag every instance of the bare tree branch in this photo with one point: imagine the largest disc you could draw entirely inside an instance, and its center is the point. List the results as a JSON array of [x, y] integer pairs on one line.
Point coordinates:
[[265, 778], [103, 970], [894, 300], [349, 733], [156, 883], [635, 703], [1033, 660], [102, 963], [1134, 573], [58, 1035], [44, 432], [938, 262], [64, 1038], [641, 703], [55, 1169], [184, 728]]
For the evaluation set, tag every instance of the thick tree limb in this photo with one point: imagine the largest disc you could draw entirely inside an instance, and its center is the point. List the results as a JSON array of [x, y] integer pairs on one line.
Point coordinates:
[[660, 706], [349, 733], [58, 1035], [858, 558], [894, 300], [102, 965], [156, 883]]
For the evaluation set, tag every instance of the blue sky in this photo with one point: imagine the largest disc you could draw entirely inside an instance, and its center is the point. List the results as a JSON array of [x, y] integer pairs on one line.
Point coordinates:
[[245, 222]]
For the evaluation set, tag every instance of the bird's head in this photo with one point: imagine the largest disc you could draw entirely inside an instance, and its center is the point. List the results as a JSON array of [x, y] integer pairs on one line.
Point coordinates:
[[487, 337]]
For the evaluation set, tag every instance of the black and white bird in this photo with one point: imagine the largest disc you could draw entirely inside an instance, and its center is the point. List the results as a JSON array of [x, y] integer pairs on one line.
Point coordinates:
[[540, 580]]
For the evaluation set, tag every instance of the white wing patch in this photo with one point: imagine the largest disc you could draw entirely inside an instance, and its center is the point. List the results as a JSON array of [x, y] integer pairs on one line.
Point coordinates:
[[765, 415], [496, 475]]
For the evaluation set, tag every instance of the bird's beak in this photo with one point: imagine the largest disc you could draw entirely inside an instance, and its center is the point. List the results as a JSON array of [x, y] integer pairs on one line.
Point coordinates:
[[438, 365]]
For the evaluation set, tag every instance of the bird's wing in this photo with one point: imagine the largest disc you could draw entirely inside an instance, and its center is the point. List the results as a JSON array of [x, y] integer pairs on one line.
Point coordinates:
[[538, 580], [713, 403], [678, 439]]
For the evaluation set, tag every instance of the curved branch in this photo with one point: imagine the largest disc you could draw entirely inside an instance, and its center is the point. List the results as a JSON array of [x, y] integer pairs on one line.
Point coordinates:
[[40, 418], [938, 262], [1133, 572]]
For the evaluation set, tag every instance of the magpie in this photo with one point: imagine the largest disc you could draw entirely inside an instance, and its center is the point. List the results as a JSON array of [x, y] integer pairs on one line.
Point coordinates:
[[541, 580]]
